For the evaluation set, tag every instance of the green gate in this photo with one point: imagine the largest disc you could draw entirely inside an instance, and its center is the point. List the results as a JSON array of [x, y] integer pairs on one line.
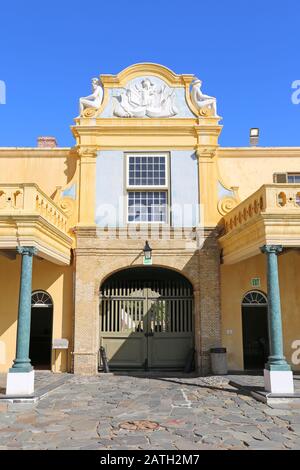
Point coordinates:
[[147, 323]]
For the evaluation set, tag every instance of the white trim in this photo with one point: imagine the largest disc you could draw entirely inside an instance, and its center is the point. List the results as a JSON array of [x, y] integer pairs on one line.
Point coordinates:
[[254, 304], [44, 303]]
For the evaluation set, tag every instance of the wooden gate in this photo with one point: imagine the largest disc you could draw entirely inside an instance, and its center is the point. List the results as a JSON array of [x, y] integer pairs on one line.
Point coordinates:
[[147, 324]]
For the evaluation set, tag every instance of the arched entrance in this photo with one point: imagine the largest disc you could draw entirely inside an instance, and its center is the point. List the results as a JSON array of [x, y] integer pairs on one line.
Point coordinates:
[[147, 319], [255, 330], [41, 330]]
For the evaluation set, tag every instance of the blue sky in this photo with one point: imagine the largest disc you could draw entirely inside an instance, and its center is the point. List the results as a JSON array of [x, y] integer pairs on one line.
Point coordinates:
[[246, 53]]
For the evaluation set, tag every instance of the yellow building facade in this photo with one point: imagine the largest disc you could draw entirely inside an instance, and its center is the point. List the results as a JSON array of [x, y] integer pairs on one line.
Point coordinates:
[[146, 166]]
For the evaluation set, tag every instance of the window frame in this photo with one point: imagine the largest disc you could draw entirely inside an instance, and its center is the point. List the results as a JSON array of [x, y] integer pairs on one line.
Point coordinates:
[[148, 188], [293, 175], [149, 154], [287, 175]]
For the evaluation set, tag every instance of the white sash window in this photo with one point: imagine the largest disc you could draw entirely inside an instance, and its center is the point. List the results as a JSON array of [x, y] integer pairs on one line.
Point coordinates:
[[147, 188]]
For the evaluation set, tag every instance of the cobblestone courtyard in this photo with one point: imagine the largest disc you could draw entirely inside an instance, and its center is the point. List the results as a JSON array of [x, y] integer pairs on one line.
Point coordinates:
[[127, 412]]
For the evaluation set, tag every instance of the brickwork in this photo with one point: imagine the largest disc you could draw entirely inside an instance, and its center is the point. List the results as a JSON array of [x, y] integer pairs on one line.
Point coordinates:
[[210, 309], [46, 142], [97, 259], [86, 317]]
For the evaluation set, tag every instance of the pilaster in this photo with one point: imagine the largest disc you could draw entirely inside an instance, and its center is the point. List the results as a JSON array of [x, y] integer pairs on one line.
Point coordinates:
[[208, 177], [87, 185], [86, 331]]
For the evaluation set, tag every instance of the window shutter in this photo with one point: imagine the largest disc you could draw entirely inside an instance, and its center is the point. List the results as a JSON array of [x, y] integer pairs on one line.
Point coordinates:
[[280, 178]]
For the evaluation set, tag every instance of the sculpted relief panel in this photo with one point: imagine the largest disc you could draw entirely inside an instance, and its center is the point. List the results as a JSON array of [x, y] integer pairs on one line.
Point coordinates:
[[145, 99]]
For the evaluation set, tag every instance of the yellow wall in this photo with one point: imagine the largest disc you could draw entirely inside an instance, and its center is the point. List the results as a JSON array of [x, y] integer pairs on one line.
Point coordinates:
[[236, 281], [243, 170], [58, 282], [248, 169], [48, 168]]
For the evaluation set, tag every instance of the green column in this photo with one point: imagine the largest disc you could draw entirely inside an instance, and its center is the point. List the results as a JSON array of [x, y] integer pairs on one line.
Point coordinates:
[[22, 362], [276, 360]]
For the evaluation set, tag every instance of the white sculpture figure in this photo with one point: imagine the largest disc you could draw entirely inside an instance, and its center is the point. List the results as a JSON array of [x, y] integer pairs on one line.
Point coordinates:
[[95, 99], [200, 100], [146, 99]]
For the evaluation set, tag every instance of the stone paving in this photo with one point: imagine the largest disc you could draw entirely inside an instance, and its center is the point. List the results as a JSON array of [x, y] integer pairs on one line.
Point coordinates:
[[137, 412], [44, 381], [257, 381]]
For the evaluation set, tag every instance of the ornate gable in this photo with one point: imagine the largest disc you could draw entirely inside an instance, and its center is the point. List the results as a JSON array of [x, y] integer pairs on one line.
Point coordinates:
[[146, 90]]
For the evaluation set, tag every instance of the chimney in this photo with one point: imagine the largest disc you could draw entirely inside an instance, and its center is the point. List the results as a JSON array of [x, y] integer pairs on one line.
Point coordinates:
[[46, 142], [254, 136]]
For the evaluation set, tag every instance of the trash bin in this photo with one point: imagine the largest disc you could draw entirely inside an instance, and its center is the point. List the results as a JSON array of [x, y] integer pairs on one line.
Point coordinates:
[[218, 361]]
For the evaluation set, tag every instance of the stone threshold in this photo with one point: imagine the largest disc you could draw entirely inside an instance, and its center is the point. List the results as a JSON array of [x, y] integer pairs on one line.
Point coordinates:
[[35, 397], [150, 373], [273, 400]]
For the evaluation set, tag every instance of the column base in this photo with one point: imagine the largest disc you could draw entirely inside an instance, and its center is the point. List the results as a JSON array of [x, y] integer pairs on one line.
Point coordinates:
[[278, 381], [20, 383]]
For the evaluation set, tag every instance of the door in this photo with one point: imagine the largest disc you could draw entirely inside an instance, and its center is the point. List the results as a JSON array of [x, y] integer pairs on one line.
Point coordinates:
[[170, 330], [255, 330], [147, 324], [123, 325], [41, 330]]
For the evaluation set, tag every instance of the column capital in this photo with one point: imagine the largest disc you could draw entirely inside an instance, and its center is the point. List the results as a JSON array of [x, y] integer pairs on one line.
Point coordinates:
[[271, 249], [27, 250], [85, 152], [205, 152]]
